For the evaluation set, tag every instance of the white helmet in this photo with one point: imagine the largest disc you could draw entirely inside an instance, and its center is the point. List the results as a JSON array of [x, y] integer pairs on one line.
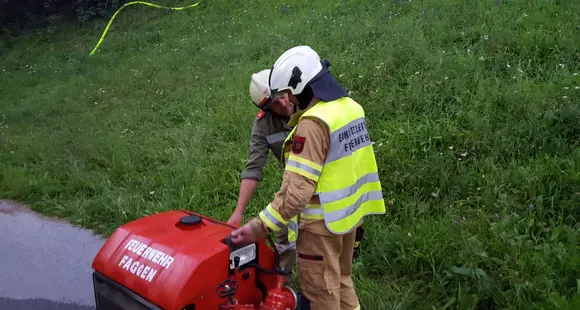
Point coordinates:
[[294, 69], [259, 90]]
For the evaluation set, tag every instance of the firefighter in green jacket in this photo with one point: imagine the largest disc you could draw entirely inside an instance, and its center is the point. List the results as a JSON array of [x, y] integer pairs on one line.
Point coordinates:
[[268, 133]]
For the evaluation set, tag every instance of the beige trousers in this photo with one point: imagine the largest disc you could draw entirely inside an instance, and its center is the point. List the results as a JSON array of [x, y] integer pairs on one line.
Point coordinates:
[[324, 265]]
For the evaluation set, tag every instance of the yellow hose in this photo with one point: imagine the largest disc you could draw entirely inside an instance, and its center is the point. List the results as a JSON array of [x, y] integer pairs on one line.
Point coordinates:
[[131, 3]]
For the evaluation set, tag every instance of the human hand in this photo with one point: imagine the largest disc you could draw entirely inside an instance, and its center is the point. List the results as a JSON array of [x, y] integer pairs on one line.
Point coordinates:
[[249, 233], [235, 219]]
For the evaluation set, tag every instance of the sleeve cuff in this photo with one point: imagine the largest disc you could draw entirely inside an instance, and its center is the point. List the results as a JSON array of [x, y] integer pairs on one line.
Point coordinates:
[[252, 174], [273, 220]]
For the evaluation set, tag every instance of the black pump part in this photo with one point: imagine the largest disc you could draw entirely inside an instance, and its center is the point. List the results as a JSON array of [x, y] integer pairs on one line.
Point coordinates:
[[227, 288], [190, 220]]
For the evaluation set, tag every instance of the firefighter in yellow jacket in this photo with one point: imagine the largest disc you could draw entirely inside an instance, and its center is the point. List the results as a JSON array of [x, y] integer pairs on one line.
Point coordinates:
[[330, 179]]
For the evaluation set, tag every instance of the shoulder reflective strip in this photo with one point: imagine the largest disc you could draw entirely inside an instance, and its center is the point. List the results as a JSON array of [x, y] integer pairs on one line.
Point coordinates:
[[340, 214], [348, 139], [277, 137], [303, 170], [305, 161], [345, 192]]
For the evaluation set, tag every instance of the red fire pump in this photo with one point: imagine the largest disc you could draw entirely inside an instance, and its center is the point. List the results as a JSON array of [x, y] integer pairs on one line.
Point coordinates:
[[180, 260]]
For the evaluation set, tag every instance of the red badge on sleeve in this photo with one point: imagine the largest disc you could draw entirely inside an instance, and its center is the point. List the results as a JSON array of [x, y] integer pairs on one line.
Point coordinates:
[[298, 144]]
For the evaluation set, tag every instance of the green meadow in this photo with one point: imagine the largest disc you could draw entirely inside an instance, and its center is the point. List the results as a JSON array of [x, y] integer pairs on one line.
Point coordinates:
[[474, 108]]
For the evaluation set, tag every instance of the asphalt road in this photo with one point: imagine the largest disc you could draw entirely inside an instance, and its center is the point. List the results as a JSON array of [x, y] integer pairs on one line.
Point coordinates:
[[45, 264]]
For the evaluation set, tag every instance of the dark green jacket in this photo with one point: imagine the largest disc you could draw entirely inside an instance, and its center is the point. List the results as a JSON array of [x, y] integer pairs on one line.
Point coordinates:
[[268, 134]]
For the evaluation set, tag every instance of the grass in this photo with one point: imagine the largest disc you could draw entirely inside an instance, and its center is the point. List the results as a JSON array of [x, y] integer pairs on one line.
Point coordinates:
[[474, 107]]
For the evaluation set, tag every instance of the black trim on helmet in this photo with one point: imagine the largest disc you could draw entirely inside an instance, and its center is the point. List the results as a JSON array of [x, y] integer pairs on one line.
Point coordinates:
[[305, 97], [295, 78]]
